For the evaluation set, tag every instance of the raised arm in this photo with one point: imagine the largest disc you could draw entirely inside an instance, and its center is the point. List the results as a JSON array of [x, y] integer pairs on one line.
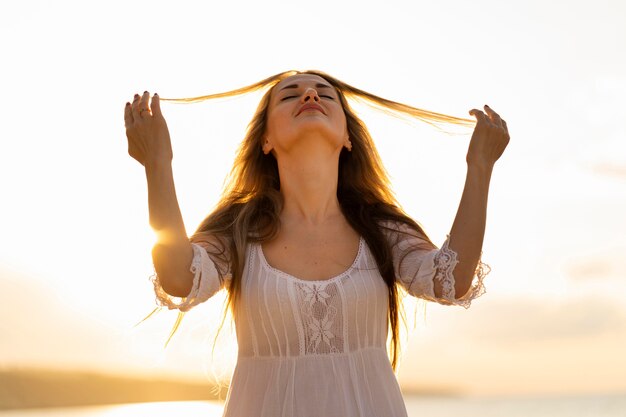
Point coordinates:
[[490, 138], [149, 143]]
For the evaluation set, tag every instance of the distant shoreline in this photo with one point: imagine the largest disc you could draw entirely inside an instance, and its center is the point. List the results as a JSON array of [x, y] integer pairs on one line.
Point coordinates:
[[42, 388]]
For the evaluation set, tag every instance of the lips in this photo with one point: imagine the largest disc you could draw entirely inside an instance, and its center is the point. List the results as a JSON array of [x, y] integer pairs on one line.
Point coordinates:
[[310, 106]]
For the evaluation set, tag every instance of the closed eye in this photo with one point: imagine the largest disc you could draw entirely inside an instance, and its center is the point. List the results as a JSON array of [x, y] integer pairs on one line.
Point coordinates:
[[322, 95]]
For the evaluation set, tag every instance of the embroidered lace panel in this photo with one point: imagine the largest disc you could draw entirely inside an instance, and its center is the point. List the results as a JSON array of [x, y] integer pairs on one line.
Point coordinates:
[[320, 308]]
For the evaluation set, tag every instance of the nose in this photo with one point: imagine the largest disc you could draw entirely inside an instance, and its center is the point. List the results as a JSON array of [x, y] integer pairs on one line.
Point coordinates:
[[310, 94]]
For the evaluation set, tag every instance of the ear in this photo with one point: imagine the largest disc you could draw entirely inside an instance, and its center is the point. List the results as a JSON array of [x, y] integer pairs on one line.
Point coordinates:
[[267, 146], [347, 144]]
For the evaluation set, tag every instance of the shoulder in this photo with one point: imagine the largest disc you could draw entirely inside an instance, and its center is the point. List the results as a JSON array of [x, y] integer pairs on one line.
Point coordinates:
[[395, 227], [401, 232], [217, 247], [211, 242]]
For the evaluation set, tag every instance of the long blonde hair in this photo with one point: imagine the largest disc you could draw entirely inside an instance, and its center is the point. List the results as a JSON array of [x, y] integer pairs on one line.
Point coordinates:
[[249, 208]]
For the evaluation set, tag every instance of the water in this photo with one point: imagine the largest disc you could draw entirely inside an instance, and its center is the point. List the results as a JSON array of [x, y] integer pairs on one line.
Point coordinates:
[[581, 406]]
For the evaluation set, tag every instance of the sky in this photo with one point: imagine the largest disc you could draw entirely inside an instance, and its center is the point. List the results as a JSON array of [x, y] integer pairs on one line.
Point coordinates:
[[74, 235]]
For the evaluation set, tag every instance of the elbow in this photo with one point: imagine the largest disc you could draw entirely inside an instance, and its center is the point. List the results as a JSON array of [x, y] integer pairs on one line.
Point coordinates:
[[173, 286], [464, 273], [462, 283], [460, 291], [174, 276]]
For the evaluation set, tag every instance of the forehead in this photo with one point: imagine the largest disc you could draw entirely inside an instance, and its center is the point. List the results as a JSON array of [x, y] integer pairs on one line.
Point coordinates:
[[302, 80]]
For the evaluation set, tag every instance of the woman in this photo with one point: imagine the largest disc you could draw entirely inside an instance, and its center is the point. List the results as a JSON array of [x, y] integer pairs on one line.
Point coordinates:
[[312, 247]]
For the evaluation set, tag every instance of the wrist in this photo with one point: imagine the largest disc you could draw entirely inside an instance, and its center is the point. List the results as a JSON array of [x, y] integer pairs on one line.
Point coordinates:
[[157, 164], [482, 169]]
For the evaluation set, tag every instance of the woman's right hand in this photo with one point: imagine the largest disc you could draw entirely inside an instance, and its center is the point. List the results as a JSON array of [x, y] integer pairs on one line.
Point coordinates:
[[148, 137]]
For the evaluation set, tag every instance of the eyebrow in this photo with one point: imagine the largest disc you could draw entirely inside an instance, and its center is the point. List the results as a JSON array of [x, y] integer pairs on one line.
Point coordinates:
[[318, 85]]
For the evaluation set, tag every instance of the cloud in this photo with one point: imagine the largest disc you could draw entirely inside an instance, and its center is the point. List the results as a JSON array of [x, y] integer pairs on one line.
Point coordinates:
[[590, 269], [610, 265], [613, 170]]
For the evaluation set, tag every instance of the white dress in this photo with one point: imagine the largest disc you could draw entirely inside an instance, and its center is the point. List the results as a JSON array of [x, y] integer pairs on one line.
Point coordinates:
[[318, 348]]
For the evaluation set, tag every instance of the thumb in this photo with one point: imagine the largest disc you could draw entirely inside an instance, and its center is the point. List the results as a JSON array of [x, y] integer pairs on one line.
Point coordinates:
[[156, 106]]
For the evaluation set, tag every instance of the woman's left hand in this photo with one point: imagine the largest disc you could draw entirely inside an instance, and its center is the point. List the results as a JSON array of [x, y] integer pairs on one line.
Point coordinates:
[[490, 138]]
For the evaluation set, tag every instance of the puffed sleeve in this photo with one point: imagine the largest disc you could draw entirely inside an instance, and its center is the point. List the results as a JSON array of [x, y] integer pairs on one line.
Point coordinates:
[[211, 274], [418, 264]]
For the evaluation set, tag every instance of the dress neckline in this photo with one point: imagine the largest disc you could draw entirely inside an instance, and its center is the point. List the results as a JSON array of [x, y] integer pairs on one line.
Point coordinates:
[[264, 261]]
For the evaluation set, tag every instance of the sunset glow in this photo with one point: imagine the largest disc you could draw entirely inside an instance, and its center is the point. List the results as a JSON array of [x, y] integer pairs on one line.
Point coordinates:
[[74, 235]]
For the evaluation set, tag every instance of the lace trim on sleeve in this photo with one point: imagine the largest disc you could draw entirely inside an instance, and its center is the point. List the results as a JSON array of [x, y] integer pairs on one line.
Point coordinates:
[[206, 282], [444, 261]]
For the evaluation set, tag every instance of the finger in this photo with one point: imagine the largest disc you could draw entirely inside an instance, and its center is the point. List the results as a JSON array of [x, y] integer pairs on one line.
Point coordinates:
[[144, 103], [156, 105], [493, 116], [128, 115], [479, 115], [506, 128], [135, 107]]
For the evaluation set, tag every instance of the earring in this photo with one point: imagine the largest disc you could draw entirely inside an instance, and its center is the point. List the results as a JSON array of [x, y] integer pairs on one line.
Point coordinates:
[[349, 146]]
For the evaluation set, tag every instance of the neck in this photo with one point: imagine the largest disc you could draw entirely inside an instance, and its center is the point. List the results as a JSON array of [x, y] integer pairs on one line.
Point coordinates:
[[308, 183]]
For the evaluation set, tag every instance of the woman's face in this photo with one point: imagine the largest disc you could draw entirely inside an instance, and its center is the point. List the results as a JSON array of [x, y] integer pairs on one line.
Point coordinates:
[[304, 107]]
